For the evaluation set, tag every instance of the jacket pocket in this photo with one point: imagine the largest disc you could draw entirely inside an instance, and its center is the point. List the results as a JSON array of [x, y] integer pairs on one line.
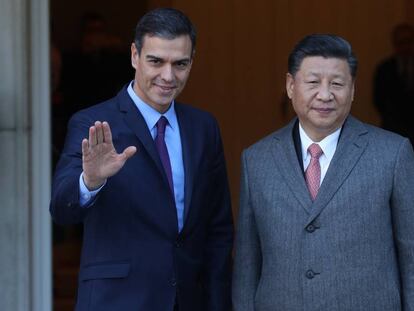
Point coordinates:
[[104, 271]]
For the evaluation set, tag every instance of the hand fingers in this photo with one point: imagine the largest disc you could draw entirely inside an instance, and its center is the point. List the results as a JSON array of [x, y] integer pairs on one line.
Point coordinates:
[[107, 134], [99, 132], [85, 146], [92, 136]]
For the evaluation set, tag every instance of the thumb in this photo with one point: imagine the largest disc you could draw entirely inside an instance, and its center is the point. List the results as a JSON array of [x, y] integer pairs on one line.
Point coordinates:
[[129, 152]]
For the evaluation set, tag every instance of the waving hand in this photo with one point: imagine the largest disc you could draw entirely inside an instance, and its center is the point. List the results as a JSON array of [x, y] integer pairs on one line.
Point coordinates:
[[100, 160]]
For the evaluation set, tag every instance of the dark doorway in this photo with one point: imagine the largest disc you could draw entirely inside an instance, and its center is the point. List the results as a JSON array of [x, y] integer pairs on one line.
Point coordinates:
[[90, 61]]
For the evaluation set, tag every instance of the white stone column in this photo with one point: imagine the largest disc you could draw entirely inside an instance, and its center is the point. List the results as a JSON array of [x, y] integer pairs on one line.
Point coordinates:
[[25, 259], [40, 157]]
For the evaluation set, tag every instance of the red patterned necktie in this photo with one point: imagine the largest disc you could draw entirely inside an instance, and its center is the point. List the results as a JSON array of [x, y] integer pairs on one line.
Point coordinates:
[[313, 172]]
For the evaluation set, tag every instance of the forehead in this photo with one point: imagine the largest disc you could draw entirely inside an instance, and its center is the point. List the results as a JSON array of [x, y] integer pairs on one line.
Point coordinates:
[[319, 65], [162, 47]]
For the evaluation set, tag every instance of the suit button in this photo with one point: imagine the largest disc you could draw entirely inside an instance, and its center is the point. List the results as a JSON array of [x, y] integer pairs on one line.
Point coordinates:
[[173, 282], [310, 274], [177, 244], [310, 228]]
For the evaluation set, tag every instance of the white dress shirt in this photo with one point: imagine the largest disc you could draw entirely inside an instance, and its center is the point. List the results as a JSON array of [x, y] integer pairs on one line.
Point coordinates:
[[328, 146]]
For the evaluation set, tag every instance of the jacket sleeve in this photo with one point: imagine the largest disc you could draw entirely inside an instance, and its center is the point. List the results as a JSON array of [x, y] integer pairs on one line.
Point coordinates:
[[64, 205], [248, 258], [217, 264], [402, 206]]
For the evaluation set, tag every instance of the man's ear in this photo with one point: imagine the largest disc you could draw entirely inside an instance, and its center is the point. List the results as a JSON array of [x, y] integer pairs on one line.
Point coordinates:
[[353, 90], [134, 55], [289, 85]]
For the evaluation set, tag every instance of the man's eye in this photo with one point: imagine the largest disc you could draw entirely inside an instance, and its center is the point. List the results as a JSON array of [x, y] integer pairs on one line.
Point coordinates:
[[182, 65], [312, 82], [337, 83], [155, 61]]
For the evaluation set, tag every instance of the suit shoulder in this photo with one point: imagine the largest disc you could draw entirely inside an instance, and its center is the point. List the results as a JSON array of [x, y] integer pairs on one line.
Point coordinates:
[[186, 108], [106, 108], [196, 114], [380, 141], [380, 135], [99, 111]]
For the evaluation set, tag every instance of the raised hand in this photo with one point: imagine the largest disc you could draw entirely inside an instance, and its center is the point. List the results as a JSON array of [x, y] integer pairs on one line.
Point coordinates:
[[99, 157]]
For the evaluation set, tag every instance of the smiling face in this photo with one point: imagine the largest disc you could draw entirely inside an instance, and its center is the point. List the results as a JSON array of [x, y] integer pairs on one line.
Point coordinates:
[[161, 69], [322, 92]]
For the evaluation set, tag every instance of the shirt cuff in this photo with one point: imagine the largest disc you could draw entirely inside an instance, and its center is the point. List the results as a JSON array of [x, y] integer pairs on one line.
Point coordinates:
[[86, 196]]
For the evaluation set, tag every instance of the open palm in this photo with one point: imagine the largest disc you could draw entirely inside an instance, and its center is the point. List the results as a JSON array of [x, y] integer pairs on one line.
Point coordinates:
[[100, 160]]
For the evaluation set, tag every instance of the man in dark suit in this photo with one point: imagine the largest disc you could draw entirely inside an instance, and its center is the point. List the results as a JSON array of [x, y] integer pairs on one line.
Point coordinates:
[[394, 84], [149, 185], [326, 219]]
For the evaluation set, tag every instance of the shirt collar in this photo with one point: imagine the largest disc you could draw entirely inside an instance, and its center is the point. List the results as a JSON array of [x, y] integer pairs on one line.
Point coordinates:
[[151, 116], [328, 144]]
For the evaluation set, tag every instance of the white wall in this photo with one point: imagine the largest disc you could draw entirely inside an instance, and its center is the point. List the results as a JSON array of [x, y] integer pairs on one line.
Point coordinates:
[[25, 264]]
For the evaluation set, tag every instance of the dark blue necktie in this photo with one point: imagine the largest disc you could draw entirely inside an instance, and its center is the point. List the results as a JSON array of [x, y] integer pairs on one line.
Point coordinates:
[[163, 151]]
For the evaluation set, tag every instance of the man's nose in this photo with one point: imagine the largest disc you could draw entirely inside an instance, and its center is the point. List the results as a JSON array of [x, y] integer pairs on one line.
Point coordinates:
[[167, 73], [325, 93]]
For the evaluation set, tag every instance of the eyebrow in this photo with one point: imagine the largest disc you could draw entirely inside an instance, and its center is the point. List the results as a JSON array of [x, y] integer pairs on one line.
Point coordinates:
[[313, 73], [186, 59], [152, 57]]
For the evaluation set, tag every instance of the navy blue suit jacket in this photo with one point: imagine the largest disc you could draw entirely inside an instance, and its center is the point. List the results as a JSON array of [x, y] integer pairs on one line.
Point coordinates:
[[133, 257]]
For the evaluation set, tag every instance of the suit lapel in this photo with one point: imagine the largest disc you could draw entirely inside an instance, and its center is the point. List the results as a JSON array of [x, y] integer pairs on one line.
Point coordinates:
[[136, 123], [286, 160], [351, 145]]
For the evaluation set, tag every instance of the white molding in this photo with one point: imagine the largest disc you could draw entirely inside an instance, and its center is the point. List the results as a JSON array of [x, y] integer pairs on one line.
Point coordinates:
[[40, 159], [14, 129]]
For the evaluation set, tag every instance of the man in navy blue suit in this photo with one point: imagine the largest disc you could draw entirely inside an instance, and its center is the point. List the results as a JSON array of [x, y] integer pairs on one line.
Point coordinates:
[[149, 184]]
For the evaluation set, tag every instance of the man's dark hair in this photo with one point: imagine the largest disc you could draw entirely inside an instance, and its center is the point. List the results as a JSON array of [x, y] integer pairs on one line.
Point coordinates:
[[325, 45], [165, 23]]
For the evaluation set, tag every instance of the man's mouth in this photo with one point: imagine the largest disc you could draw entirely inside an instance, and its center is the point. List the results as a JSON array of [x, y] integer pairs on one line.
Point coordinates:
[[165, 88], [323, 110]]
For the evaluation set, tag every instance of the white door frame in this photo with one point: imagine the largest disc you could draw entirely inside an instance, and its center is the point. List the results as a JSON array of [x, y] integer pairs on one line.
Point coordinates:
[[39, 157]]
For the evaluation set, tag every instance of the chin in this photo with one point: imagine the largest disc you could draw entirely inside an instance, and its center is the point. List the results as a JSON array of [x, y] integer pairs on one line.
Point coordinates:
[[166, 102], [164, 105], [162, 101]]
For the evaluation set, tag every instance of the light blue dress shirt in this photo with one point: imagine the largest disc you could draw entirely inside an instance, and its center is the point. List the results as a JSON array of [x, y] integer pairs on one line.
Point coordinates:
[[173, 142]]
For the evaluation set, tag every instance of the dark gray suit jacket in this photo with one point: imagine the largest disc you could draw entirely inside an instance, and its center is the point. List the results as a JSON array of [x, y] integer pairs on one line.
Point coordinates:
[[351, 249]]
